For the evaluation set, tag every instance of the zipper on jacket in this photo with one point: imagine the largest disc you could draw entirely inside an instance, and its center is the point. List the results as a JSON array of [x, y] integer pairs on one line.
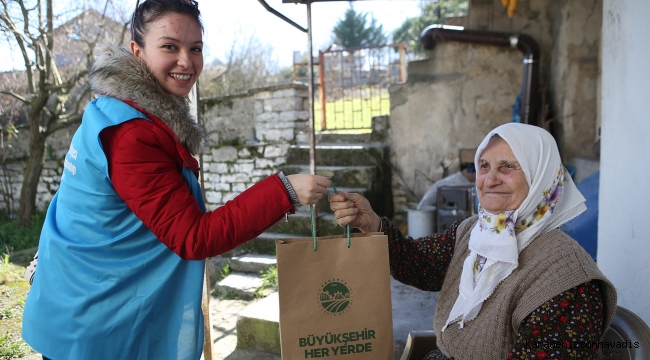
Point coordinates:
[[286, 217]]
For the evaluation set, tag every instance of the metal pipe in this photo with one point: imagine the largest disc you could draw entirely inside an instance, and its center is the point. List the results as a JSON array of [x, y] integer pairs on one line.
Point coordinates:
[[276, 13], [525, 43]]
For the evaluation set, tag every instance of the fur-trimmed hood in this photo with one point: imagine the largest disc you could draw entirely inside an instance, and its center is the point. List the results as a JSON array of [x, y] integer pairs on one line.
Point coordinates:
[[117, 73]]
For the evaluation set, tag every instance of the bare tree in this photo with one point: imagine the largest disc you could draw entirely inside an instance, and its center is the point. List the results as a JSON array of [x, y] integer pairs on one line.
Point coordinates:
[[250, 65], [50, 88]]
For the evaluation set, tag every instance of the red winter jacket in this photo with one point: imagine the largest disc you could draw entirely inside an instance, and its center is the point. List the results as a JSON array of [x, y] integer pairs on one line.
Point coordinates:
[[145, 163]]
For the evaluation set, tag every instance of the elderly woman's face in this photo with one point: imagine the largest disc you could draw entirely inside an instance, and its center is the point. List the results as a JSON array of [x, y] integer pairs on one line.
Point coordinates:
[[500, 181]]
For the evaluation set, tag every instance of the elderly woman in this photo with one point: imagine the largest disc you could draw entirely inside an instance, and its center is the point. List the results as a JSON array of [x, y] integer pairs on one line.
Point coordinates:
[[511, 284]]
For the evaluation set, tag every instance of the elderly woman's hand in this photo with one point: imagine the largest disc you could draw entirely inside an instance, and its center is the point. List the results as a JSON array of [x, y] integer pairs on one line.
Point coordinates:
[[354, 209]]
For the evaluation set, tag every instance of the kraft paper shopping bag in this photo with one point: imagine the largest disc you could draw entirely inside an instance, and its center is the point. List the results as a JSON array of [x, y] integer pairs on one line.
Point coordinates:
[[335, 301]]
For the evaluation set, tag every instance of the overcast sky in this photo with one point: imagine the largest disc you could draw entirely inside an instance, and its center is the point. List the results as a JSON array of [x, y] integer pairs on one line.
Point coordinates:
[[224, 19], [227, 20]]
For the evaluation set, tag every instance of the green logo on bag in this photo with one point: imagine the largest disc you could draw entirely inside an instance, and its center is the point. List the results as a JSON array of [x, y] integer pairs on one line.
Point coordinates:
[[334, 296]]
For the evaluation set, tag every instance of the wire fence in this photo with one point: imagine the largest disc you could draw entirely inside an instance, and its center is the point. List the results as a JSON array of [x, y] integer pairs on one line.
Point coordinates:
[[352, 84]]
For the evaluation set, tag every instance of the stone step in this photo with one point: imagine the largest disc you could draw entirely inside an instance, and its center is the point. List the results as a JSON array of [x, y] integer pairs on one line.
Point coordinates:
[[252, 263], [356, 176], [265, 243], [351, 165], [258, 324], [215, 267], [340, 154], [300, 225], [339, 136], [242, 286], [241, 260]]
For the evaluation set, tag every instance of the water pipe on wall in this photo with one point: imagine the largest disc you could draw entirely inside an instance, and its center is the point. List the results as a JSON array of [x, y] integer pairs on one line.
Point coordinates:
[[525, 43]]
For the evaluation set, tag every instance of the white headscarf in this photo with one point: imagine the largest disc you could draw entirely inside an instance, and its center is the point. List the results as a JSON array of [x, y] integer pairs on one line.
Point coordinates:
[[497, 239]]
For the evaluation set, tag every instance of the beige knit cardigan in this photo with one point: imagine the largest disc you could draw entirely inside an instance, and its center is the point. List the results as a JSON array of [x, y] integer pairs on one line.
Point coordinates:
[[550, 265]]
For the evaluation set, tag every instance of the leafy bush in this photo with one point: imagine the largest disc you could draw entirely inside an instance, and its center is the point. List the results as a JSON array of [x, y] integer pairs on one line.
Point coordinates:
[[14, 238]]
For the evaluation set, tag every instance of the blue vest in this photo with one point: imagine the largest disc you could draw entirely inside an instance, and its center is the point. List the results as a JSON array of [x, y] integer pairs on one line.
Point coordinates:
[[105, 286]]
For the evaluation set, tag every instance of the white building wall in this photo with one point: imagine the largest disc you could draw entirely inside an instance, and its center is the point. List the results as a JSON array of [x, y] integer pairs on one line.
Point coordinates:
[[623, 223]]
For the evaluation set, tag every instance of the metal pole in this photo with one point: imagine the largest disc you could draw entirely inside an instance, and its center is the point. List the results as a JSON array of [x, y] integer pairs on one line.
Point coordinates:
[[205, 306], [402, 63], [205, 301], [312, 130], [322, 90]]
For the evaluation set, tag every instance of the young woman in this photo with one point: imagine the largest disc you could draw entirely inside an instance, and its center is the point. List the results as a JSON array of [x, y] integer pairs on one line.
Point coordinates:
[[121, 254]]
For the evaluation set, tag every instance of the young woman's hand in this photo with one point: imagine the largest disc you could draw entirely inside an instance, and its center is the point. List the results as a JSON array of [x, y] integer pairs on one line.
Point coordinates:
[[308, 188], [354, 209]]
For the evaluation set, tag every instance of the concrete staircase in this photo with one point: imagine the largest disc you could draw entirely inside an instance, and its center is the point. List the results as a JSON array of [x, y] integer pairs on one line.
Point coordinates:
[[244, 280], [355, 163]]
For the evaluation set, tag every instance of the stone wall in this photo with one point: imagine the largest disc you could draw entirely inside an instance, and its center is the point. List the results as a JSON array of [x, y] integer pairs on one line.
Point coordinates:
[[12, 168], [11, 179], [569, 37], [229, 170], [249, 137], [452, 99], [450, 102]]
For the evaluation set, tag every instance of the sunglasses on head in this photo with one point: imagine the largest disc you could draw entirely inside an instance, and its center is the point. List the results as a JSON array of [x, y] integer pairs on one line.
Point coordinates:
[[192, 2], [137, 5]]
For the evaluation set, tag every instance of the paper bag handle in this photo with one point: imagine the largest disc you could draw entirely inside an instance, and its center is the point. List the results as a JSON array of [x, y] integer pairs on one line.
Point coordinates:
[[313, 221]]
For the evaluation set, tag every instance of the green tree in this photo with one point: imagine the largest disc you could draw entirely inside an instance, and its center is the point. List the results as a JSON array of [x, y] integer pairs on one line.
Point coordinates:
[[354, 30], [433, 13]]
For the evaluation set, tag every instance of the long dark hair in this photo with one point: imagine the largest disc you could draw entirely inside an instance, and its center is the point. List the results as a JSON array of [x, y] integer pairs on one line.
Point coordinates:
[[150, 10]]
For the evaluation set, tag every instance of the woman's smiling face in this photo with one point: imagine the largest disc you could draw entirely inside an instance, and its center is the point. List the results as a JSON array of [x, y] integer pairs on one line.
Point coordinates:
[[500, 181], [173, 52]]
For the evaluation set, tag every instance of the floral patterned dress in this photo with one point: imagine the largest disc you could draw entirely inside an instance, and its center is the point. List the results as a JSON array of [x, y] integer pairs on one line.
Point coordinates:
[[559, 329]]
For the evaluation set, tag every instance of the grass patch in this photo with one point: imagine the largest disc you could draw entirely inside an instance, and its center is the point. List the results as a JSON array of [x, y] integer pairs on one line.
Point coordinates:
[[10, 348], [225, 271], [352, 112], [13, 292], [8, 273], [269, 282], [270, 277], [19, 245]]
